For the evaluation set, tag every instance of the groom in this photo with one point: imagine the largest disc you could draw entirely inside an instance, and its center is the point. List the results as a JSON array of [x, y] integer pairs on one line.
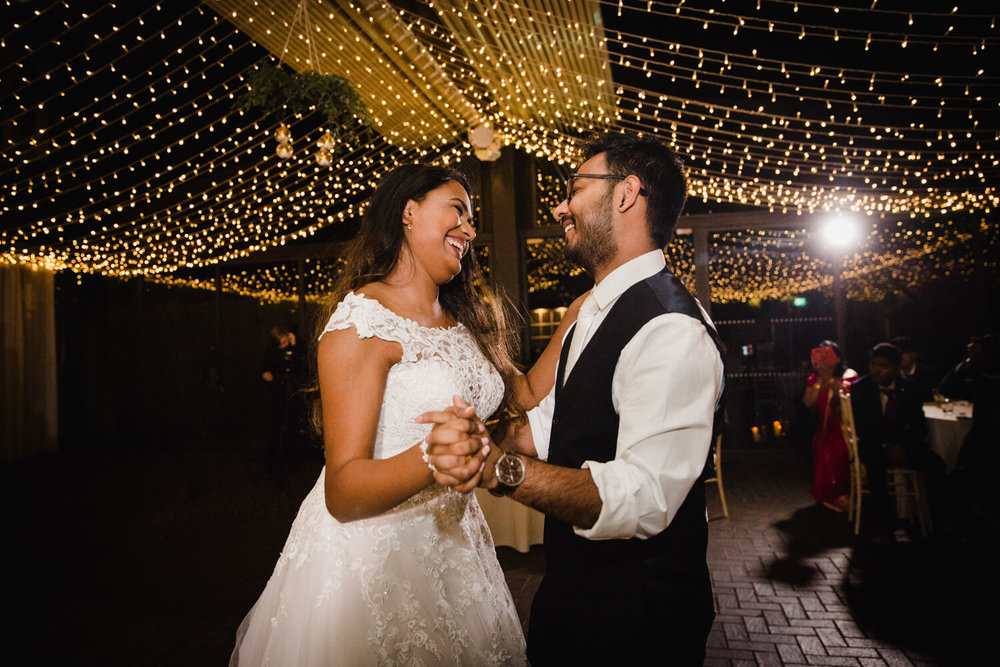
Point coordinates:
[[614, 455]]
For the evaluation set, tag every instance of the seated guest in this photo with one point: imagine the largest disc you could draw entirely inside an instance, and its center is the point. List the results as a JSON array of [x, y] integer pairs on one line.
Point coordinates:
[[981, 448], [911, 368], [959, 383], [973, 485], [892, 433]]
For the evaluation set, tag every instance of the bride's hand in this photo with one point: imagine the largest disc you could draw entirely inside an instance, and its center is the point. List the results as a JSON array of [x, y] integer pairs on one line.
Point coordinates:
[[457, 445]]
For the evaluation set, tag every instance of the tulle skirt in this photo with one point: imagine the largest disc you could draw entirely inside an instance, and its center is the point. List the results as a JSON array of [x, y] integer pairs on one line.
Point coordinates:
[[418, 585]]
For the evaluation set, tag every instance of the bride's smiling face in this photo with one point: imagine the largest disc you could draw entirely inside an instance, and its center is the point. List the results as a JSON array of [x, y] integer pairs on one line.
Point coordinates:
[[438, 230]]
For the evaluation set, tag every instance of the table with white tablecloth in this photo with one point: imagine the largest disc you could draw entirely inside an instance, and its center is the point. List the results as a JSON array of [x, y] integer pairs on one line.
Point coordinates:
[[512, 524], [946, 430]]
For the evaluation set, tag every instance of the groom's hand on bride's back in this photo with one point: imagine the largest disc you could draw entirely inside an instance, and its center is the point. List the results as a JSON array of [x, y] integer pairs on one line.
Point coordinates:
[[458, 445]]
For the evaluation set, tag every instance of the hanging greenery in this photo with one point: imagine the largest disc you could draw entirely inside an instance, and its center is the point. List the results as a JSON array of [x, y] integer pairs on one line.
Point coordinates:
[[275, 89]]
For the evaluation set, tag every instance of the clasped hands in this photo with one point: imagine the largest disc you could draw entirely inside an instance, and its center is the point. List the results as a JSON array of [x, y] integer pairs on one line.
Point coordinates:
[[458, 446]]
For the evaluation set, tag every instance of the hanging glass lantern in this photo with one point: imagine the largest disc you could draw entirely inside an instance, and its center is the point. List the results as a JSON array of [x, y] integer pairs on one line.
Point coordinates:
[[324, 157], [325, 142], [285, 150], [283, 135]]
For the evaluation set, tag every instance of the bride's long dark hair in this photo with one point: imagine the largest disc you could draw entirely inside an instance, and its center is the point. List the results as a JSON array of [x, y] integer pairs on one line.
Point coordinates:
[[374, 253]]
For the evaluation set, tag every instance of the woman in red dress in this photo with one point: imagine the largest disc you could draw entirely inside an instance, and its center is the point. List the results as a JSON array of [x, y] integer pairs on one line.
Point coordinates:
[[831, 461]]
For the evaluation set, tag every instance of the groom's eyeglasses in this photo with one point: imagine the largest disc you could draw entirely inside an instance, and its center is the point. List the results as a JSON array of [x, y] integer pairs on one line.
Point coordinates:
[[603, 177]]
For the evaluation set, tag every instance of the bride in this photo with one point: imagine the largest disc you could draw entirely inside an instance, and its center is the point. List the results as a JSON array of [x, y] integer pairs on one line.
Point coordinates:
[[383, 565]]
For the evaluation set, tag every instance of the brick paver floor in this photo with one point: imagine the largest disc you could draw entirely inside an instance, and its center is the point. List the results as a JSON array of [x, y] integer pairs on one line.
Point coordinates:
[[122, 558], [794, 586]]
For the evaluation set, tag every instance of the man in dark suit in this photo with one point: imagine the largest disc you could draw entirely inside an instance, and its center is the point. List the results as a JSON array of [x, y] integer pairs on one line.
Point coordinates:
[[892, 432], [912, 368]]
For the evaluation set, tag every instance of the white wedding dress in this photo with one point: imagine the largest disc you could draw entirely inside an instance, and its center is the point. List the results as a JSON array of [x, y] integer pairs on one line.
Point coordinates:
[[417, 585]]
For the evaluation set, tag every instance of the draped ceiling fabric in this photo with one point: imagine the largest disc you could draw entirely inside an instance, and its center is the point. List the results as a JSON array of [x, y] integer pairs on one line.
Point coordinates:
[[123, 151], [462, 64]]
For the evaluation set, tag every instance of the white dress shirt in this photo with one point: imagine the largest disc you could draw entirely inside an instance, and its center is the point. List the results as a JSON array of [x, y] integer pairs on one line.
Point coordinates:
[[665, 388], [884, 396]]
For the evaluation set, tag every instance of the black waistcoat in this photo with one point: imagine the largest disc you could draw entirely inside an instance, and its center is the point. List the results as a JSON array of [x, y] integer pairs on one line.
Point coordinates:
[[585, 428]]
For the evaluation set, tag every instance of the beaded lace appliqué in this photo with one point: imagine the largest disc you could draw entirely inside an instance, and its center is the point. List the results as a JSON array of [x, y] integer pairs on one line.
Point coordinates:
[[436, 364]]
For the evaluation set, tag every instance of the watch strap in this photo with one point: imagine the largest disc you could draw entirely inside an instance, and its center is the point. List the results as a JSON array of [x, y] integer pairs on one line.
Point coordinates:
[[501, 489]]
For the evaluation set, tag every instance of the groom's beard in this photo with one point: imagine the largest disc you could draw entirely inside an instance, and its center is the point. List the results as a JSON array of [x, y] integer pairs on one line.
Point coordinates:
[[595, 241]]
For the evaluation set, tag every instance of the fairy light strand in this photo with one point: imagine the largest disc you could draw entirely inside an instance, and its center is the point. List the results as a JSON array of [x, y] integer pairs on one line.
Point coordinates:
[[542, 74]]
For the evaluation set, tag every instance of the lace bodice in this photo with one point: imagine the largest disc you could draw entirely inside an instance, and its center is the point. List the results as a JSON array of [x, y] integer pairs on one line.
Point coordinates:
[[418, 584], [436, 365]]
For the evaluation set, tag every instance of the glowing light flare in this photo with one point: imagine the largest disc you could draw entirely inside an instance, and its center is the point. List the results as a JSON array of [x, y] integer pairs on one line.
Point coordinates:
[[840, 232]]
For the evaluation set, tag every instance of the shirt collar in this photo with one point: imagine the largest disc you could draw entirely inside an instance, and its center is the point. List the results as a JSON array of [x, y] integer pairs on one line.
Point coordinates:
[[626, 275]]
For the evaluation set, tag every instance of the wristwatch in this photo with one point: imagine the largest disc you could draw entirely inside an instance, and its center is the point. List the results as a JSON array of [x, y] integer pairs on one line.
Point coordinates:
[[509, 471]]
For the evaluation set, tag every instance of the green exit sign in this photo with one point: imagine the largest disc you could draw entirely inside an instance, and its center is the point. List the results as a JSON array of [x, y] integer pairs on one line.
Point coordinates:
[[799, 301]]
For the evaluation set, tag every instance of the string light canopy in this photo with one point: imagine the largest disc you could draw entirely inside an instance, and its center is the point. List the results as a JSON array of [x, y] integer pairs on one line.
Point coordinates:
[[278, 91], [122, 152], [750, 266], [125, 152]]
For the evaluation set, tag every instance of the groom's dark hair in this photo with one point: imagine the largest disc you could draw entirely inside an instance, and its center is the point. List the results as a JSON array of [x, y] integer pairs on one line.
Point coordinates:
[[658, 169]]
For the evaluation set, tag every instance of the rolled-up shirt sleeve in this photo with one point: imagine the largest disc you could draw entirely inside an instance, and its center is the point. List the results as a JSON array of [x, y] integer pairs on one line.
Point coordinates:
[[540, 421], [540, 417], [666, 385]]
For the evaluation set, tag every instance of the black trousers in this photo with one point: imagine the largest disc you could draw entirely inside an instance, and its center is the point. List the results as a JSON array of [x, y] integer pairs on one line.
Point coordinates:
[[572, 624], [877, 468]]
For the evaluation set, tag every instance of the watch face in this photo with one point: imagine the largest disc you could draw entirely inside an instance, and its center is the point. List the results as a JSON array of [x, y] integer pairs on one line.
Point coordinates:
[[510, 469]]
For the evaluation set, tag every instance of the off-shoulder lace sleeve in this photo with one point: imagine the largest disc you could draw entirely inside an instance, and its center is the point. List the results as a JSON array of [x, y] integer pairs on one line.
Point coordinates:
[[370, 318]]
